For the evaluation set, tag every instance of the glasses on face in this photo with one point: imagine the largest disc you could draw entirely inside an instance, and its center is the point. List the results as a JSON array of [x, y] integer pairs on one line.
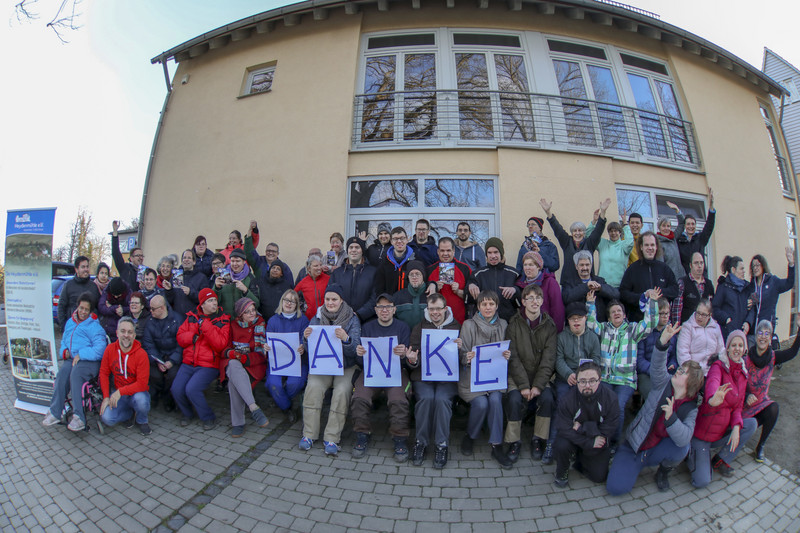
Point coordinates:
[[682, 371], [435, 309], [702, 315], [272, 251], [763, 334], [138, 256], [289, 301], [533, 299], [398, 239], [384, 307], [585, 382]]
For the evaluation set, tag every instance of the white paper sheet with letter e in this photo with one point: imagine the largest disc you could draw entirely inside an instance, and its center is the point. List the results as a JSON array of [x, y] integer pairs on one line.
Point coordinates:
[[439, 355], [489, 369], [282, 356], [325, 352], [381, 365]]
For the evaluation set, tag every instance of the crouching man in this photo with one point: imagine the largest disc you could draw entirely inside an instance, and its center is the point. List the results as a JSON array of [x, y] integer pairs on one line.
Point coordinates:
[[130, 366]]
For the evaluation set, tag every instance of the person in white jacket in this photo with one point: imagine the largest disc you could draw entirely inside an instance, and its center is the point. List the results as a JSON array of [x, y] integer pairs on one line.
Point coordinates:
[[700, 338]]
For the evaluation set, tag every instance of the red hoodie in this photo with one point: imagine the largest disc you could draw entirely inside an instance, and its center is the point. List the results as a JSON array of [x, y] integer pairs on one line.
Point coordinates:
[[131, 370]]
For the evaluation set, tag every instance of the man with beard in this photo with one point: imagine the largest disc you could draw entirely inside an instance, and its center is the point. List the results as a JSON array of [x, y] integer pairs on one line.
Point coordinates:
[[74, 289], [589, 282], [645, 274], [587, 417], [128, 363], [468, 251]]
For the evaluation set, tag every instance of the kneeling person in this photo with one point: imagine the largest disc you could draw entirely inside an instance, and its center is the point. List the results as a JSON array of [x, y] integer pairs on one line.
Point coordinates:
[[128, 363]]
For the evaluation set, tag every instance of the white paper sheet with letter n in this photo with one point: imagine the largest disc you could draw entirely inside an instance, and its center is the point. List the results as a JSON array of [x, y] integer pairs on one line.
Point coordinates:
[[439, 355], [282, 356], [325, 352], [489, 369], [381, 366]]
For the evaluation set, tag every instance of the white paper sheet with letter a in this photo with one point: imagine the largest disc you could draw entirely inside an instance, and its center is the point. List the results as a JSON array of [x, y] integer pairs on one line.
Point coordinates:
[[381, 365], [282, 356], [325, 352], [489, 369], [439, 355]]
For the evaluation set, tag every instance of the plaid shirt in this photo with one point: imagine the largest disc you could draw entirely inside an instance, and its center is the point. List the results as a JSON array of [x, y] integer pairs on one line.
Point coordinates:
[[618, 345]]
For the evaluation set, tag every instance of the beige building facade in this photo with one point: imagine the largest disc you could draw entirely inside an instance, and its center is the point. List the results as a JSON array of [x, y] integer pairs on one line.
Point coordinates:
[[335, 116]]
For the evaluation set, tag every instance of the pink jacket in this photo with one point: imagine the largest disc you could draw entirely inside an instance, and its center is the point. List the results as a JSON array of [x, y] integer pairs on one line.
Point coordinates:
[[698, 343]]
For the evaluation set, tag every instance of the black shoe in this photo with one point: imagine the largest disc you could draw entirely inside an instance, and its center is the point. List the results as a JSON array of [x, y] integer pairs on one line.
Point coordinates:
[[130, 423], [418, 454], [759, 454], [500, 456], [466, 445], [400, 449], [547, 456], [725, 470], [537, 448], [562, 482], [360, 447], [185, 421], [153, 402], [208, 425], [145, 428], [169, 404], [513, 451], [290, 416], [440, 457], [662, 478]]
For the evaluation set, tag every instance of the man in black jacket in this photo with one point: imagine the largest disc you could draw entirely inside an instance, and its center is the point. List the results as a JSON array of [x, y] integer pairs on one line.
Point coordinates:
[[689, 240], [357, 279], [645, 274], [391, 275], [129, 271], [74, 288], [588, 281], [423, 245], [161, 344], [587, 418], [498, 277]]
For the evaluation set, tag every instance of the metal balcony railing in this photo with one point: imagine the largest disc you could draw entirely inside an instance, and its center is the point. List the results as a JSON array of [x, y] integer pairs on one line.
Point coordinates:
[[450, 118]]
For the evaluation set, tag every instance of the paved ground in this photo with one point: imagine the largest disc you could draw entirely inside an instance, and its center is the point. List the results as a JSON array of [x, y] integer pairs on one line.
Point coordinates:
[[185, 479]]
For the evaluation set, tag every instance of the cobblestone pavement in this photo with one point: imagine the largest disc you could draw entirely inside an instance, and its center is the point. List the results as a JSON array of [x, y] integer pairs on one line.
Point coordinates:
[[185, 479]]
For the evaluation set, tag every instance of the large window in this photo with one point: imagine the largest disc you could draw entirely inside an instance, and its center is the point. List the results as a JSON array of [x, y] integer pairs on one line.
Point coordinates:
[[443, 200], [652, 204], [780, 161]]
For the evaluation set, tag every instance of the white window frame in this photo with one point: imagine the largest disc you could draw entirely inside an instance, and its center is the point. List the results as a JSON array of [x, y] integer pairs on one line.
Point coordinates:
[[791, 87], [252, 72], [785, 171]]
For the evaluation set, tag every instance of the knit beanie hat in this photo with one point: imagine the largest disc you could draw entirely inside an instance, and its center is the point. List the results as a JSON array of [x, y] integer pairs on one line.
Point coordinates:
[[335, 288], [205, 294], [356, 240], [537, 258], [241, 305], [116, 287], [538, 221], [494, 242], [415, 265], [238, 252]]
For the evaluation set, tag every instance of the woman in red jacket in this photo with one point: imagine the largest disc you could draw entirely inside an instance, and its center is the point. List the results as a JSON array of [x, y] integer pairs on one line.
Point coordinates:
[[244, 364], [203, 336], [312, 287], [719, 420]]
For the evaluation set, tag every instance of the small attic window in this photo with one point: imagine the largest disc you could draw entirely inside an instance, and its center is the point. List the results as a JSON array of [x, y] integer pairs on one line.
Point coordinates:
[[259, 78]]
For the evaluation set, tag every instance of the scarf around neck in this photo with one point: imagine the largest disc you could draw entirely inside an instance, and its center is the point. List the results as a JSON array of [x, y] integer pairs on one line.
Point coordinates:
[[339, 318], [241, 275]]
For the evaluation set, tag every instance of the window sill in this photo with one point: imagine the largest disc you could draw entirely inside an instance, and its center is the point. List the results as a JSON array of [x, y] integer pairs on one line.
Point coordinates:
[[253, 94]]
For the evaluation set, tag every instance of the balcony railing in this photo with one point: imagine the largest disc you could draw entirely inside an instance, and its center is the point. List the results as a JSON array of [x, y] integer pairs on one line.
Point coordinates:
[[450, 118]]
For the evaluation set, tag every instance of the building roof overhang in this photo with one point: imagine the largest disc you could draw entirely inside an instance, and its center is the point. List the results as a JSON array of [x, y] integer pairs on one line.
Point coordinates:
[[605, 13]]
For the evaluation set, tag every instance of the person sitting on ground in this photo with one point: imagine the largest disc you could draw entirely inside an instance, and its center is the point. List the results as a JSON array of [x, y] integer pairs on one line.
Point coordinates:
[[700, 338], [765, 288], [669, 247], [384, 325], [377, 250], [288, 318], [129, 270], [574, 345], [587, 417], [692, 288], [102, 277], [138, 312], [391, 274], [412, 300], [498, 277], [690, 241], [312, 288], [335, 257], [719, 423], [661, 433], [114, 303], [422, 244], [485, 327], [127, 363], [760, 362], [533, 337], [185, 297], [533, 273], [645, 274], [576, 239], [334, 312], [357, 279], [732, 299], [82, 348], [243, 364], [150, 286], [204, 257], [614, 251], [589, 282], [160, 341], [468, 251], [644, 351], [243, 283], [452, 284], [537, 242], [434, 399], [75, 288], [203, 335], [618, 344]]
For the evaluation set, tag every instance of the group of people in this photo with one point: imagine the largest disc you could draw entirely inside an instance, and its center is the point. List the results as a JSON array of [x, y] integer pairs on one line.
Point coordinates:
[[647, 320]]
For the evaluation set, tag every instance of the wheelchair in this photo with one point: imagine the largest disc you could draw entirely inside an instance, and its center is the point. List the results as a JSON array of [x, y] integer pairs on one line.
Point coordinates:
[[91, 399]]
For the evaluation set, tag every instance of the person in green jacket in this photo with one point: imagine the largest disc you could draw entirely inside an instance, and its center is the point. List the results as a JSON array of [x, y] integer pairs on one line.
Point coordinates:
[[242, 283]]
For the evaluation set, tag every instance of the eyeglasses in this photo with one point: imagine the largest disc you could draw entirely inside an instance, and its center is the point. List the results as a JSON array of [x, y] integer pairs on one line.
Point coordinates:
[[289, 300], [271, 251], [584, 382], [435, 308], [384, 307], [701, 315], [763, 333], [138, 256], [682, 371], [533, 299], [398, 239]]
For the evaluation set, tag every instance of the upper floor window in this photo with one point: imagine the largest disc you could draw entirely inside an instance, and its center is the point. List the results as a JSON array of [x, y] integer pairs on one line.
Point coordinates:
[[780, 162], [259, 78]]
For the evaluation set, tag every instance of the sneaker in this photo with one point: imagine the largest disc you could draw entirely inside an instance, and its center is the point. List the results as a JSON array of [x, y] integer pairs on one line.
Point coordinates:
[[547, 456], [76, 424], [208, 425], [305, 443], [500, 456], [144, 428], [418, 455], [400, 449], [466, 445], [131, 422], [537, 448], [759, 454], [185, 421], [360, 447], [237, 431], [662, 478], [260, 418], [290, 416], [440, 457], [513, 451], [101, 428], [331, 448], [562, 481], [725, 470], [50, 420]]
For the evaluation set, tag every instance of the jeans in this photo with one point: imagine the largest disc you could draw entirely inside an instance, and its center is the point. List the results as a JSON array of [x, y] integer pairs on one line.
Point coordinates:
[[624, 393], [627, 463], [700, 454], [284, 388], [487, 407], [188, 387], [138, 403], [433, 410], [72, 378]]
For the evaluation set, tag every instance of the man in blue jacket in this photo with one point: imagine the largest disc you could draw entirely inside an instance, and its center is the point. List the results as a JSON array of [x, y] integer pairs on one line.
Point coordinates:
[[160, 343]]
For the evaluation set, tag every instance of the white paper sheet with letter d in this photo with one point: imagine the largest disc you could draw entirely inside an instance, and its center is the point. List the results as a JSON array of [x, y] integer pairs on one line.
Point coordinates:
[[439, 355], [381, 365], [489, 369], [282, 356], [325, 352]]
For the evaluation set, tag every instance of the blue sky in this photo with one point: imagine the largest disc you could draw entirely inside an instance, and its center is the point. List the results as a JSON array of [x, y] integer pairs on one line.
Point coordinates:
[[79, 118]]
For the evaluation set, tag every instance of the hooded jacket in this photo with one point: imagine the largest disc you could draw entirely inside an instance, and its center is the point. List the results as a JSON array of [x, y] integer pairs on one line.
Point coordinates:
[[426, 252], [203, 337], [391, 275], [699, 343], [415, 342], [312, 292], [670, 255], [547, 250], [251, 338], [491, 277], [730, 303], [107, 309], [714, 422], [765, 296], [86, 339], [357, 283], [571, 348], [270, 291], [533, 351], [131, 370]]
